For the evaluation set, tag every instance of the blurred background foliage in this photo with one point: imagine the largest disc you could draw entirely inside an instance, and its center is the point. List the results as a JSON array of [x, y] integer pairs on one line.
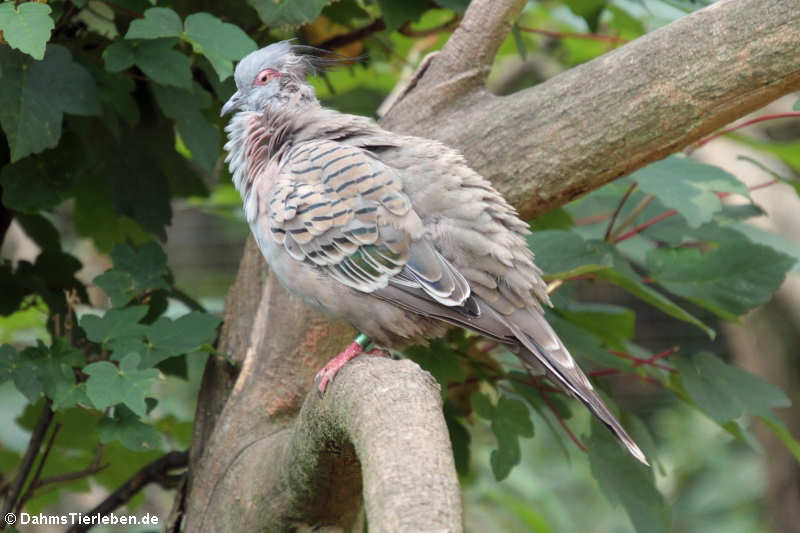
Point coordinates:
[[121, 231]]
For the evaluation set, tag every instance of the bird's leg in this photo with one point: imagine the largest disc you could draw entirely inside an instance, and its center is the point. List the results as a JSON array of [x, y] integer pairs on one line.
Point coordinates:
[[326, 374]]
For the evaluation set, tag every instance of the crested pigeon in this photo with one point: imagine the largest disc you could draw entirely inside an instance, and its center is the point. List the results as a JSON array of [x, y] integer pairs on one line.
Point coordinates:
[[395, 234]]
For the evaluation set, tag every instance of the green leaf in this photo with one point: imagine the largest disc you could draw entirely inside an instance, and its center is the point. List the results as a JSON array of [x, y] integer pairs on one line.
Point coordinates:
[[157, 22], [481, 405], [44, 370], [115, 324], [459, 6], [557, 218], [796, 106], [783, 434], [157, 58], [147, 265], [165, 65], [589, 10], [40, 182], [126, 428], [624, 480], [118, 56], [345, 12], [108, 385], [438, 359], [26, 27], [519, 41], [167, 337], [395, 14], [510, 421], [91, 206], [727, 392], [460, 439], [41, 230], [563, 254], [728, 281], [8, 361], [137, 187], [513, 416], [287, 12], [624, 276], [611, 323], [135, 273], [221, 42], [34, 95], [117, 285], [628, 25], [115, 94], [51, 275], [11, 292], [183, 106], [789, 156], [688, 187]]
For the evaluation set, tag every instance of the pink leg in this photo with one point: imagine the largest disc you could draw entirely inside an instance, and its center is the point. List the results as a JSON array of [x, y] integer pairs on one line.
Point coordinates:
[[326, 374]]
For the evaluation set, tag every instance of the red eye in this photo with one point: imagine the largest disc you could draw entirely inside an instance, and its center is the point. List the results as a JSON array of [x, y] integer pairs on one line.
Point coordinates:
[[265, 76]]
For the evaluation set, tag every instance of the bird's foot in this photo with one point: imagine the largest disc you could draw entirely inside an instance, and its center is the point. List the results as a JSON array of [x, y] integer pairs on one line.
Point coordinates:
[[326, 374]]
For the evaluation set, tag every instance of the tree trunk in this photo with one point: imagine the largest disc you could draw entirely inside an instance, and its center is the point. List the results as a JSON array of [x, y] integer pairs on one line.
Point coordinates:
[[269, 456]]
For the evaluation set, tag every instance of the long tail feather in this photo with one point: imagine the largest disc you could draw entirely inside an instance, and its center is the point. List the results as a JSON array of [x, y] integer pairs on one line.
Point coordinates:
[[543, 348]]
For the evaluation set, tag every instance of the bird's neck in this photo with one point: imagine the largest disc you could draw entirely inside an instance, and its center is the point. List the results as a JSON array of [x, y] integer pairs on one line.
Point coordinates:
[[257, 140]]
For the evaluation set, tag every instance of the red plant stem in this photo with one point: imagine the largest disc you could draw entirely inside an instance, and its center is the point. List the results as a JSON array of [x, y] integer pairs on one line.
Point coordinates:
[[672, 212], [665, 353], [610, 227], [710, 138], [640, 227], [616, 372], [637, 361], [591, 219], [552, 408], [605, 372], [582, 276], [568, 35], [753, 188]]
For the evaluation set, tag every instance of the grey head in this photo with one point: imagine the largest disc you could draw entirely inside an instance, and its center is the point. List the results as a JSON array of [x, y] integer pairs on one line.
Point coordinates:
[[272, 76]]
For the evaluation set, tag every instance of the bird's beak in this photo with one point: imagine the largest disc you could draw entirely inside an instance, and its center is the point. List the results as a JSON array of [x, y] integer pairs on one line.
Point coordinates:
[[231, 104]]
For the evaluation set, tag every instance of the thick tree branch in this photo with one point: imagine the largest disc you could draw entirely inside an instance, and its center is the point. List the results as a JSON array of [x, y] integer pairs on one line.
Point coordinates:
[[594, 123], [375, 415], [464, 62]]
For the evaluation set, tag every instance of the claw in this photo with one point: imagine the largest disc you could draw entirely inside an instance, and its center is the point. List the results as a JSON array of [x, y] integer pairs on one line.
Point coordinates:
[[326, 374]]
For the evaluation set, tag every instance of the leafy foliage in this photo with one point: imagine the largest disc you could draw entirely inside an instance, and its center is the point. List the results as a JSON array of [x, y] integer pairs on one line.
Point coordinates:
[[26, 27], [109, 117]]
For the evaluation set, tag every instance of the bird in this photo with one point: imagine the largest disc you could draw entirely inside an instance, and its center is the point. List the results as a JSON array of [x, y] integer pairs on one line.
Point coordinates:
[[393, 233]]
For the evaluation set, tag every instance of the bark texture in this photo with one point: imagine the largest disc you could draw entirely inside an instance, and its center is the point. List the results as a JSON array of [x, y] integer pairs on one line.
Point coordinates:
[[259, 462]]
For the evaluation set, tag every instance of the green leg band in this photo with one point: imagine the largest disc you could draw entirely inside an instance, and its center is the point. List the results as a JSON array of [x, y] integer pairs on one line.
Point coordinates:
[[363, 341]]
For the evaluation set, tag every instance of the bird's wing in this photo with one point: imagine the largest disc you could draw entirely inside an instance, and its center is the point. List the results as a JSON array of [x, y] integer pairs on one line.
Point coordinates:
[[340, 208], [480, 234]]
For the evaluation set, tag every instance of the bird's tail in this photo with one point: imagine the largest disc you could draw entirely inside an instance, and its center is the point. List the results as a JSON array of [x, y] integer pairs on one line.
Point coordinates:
[[542, 349]]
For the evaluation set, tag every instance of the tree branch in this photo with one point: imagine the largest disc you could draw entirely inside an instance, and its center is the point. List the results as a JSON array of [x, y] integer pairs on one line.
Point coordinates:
[[464, 62], [37, 437], [376, 414], [155, 472], [604, 119]]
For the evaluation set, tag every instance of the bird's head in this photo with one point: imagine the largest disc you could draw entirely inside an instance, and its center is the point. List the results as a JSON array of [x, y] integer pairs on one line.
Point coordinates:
[[273, 76]]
